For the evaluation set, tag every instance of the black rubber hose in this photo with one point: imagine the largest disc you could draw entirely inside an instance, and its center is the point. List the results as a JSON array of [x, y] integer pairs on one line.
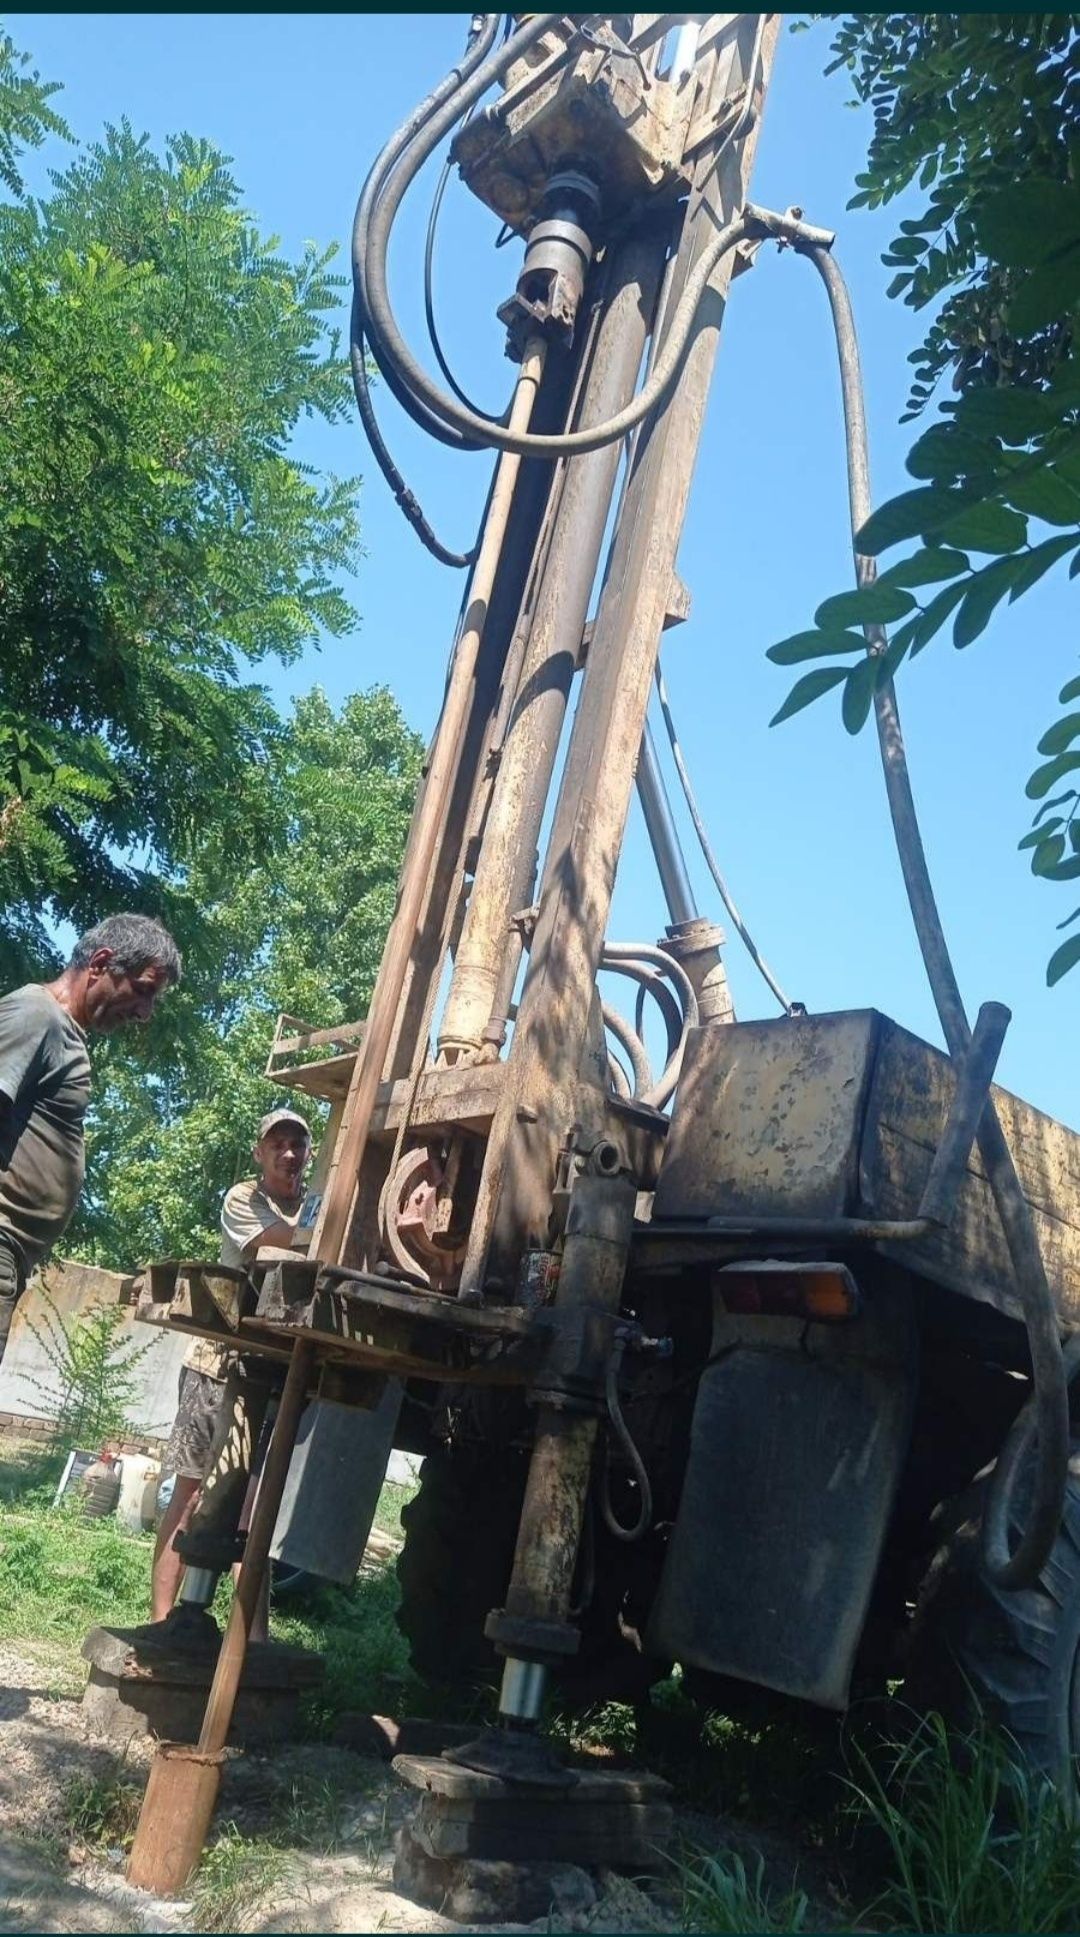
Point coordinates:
[[397, 146], [404, 497], [637, 1464], [1050, 1398], [390, 345]]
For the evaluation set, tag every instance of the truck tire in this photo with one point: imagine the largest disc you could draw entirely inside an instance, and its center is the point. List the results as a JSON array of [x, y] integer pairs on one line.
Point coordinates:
[[460, 1528], [1017, 1654]]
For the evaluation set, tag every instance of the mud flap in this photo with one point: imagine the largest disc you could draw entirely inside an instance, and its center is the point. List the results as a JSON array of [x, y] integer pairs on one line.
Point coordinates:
[[799, 1436], [337, 1470]]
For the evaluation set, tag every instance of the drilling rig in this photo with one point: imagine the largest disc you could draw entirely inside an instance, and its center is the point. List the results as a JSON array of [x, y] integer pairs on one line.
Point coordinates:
[[696, 1353]]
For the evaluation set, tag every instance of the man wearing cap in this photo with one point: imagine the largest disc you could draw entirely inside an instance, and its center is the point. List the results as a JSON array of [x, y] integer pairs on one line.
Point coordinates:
[[258, 1220]]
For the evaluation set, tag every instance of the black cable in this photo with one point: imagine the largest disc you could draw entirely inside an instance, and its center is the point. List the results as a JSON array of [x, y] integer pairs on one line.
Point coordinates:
[[706, 846], [429, 279], [404, 497], [358, 347]]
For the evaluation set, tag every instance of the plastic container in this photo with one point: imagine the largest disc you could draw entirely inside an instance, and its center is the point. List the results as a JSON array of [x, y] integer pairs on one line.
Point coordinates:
[[100, 1489], [137, 1470]]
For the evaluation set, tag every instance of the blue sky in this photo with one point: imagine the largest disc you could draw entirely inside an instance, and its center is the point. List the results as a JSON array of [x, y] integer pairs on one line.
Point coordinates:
[[302, 103]]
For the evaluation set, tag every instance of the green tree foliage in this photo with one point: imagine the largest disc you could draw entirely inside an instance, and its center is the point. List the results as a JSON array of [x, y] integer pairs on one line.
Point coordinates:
[[984, 111], [157, 539], [26, 118], [296, 925]]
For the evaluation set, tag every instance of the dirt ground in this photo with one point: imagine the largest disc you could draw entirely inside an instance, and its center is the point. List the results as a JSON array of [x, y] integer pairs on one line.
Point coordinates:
[[49, 1883]]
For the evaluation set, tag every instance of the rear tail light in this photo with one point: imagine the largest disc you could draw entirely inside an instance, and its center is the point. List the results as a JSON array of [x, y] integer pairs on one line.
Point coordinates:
[[825, 1293]]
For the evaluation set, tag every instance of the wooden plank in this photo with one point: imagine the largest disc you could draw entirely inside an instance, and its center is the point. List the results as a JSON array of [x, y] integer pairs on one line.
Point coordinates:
[[587, 1833], [455, 1782]]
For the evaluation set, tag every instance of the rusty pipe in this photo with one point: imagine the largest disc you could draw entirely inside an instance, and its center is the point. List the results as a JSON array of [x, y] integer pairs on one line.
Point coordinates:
[[331, 1233], [595, 1252], [230, 1662], [507, 862]]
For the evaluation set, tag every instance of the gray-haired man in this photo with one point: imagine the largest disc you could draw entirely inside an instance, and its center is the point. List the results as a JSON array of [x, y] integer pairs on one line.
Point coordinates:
[[116, 973]]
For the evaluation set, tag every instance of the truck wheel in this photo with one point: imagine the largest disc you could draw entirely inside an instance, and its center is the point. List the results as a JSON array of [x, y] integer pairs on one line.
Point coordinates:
[[1017, 1654], [460, 1529]]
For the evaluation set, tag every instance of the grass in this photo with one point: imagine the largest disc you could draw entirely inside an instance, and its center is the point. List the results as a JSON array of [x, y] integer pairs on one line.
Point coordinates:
[[719, 1893], [61, 1575], [235, 1874], [947, 1832], [971, 1840]]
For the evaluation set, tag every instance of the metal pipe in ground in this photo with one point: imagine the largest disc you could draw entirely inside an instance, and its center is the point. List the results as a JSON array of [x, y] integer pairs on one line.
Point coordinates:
[[182, 1791]]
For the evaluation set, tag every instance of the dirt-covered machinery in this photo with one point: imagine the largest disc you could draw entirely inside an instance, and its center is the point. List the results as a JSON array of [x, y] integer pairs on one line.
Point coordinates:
[[752, 1360]]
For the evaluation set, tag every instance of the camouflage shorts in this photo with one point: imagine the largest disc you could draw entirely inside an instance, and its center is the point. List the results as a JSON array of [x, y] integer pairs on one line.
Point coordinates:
[[192, 1436]]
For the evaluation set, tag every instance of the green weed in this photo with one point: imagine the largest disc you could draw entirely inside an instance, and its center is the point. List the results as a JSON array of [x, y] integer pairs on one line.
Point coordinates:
[[234, 1874], [102, 1811], [973, 1840], [719, 1894]]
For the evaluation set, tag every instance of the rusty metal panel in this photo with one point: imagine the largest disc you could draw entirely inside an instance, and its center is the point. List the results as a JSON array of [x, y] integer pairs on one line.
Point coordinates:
[[906, 1108], [767, 1119]]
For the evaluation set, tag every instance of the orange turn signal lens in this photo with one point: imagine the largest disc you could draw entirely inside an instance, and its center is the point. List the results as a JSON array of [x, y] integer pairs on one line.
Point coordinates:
[[825, 1293]]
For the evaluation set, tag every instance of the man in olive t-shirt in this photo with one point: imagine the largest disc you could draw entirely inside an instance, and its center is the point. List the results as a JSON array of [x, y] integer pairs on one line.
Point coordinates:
[[115, 976], [258, 1222]]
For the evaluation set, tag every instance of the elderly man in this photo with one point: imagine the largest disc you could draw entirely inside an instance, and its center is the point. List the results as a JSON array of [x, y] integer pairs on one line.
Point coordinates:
[[115, 976], [258, 1220]]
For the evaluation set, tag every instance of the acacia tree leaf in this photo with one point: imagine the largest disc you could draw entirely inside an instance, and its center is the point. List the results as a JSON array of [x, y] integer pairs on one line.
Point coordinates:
[[1048, 776], [1039, 834], [808, 689], [1024, 225], [1015, 416], [865, 605], [911, 515], [1030, 567], [1061, 734], [934, 615], [1045, 294], [1043, 494], [815, 644], [986, 527], [859, 689], [1048, 853], [986, 591], [1062, 960], [926, 567]]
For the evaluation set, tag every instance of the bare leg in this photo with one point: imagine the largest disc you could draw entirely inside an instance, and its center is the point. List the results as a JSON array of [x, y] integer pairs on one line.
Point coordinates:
[[168, 1567]]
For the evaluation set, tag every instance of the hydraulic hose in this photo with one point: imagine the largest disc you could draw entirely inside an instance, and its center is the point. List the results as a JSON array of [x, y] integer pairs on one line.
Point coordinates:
[[637, 1464], [396, 167], [485, 430], [404, 497], [1049, 1410], [447, 91], [371, 240]]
